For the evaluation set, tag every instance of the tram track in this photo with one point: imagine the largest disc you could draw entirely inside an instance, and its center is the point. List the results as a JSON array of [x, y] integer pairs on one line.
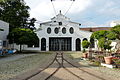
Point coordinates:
[[42, 69], [83, 70], [59, 57]]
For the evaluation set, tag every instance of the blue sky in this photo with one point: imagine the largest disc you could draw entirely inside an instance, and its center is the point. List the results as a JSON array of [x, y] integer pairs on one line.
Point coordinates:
[[87, 12]]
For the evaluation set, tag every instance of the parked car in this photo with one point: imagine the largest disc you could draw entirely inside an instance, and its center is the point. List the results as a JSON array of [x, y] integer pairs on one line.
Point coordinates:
[[4, 52]]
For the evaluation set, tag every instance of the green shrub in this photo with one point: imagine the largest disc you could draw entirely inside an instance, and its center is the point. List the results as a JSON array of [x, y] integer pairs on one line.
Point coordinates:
[[96, 63]]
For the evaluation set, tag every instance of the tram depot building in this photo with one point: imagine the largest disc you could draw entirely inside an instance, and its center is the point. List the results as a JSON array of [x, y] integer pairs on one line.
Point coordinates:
[[61, 34]]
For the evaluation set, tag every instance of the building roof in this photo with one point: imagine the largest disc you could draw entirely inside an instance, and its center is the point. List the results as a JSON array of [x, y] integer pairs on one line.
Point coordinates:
[[91, 29]]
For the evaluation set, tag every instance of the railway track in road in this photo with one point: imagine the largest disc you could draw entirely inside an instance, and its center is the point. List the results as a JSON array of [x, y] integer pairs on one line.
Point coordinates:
[[60, 61]]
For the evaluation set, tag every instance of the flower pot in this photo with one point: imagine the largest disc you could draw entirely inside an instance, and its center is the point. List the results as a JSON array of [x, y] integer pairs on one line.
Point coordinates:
[[85, 55], [108, 60]]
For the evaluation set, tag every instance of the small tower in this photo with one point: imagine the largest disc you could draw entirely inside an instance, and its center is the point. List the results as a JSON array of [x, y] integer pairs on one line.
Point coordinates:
[[60, 12]]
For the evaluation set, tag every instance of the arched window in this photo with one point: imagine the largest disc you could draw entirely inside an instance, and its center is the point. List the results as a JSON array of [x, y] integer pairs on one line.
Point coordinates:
[[71, 30], [56, 30], [49, 30], [64, 30], [60, 23]]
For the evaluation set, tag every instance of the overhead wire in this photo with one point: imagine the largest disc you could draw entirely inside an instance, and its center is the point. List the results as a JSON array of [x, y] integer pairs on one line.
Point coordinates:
[[69, 7], [53, 6]]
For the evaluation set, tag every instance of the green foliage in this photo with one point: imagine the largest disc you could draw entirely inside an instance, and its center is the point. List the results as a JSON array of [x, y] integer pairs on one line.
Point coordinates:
[[101, 42], [104, 38], [23, 36], [111, 35], [85, 44], [1, 0], [84, 50], [16, 13], [116, 30], [104, 44], [116, 61], [99, 34], [102, 34], [96, 63]]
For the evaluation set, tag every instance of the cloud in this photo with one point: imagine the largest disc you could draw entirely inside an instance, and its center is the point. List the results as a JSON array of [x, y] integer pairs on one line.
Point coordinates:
[[110, 8], [44, 10], [92, 12]]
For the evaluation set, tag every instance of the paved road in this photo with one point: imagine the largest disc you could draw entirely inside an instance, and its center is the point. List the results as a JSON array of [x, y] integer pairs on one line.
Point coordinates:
[[68, 71]]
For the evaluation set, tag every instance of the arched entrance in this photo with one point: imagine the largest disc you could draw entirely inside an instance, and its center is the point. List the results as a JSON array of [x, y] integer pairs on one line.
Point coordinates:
[[43, 44], [85, 39], [60, 44], [78, 44]]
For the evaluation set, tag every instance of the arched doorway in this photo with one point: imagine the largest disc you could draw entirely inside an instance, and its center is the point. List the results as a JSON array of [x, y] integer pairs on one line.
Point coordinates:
[[43, 44], [85, 39], [78, 44]]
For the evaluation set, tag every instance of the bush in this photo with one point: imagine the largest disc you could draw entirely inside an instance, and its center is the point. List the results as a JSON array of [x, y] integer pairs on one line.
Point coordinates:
[[96, 63], [116, 61], [84, 50]]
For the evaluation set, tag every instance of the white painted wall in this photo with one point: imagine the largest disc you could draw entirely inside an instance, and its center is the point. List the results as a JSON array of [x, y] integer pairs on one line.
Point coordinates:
[[65, 23], [3, 34], [5, 27]]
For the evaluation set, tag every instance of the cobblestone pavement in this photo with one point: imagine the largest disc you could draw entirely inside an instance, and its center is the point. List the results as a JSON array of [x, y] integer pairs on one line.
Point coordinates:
[[68, 72]]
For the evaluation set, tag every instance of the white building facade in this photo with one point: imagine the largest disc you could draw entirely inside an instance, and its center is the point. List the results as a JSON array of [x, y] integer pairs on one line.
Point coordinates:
[[3, 33], [114, 23], [61, 34]]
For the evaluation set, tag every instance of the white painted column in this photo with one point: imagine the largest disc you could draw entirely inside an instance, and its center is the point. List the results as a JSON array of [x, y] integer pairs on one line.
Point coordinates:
[[96, 41], [81, 43], [73, 44], [40, 44], [47, 44]]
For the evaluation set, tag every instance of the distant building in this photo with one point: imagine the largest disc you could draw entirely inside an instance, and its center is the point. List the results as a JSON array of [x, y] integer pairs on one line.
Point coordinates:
[[4, 30], [93, 29], [114, 23]]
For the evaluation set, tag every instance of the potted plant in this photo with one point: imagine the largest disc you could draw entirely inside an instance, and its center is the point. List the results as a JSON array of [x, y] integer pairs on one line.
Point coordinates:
[[85, 54], [108, 59], [104, 44], [85, 44]]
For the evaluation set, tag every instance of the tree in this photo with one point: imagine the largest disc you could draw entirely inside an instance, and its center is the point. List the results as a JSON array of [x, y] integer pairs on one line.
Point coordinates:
[[22, 36], [111, 35], [104, 44], [104, 38], [85, 44], [116, 30], [16, 13], [99, 34]]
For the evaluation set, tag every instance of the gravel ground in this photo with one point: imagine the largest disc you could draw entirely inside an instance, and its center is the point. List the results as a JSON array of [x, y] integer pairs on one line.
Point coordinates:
[[115, 73], [13, 57], [62, 73], [16, 64]]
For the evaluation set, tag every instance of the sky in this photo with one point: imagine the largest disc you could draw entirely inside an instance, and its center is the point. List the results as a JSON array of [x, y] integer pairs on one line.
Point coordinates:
[[90, 13]]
